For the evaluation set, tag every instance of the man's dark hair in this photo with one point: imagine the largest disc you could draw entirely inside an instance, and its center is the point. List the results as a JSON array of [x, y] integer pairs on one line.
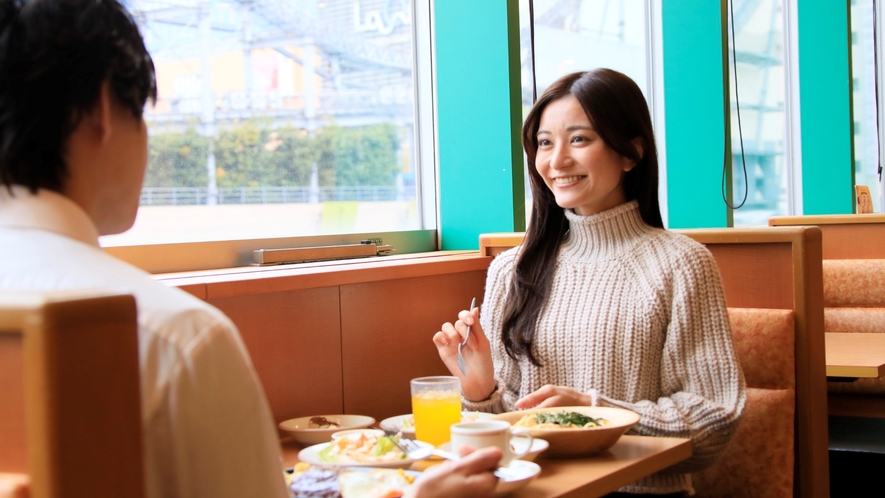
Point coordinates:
[[54, 57]]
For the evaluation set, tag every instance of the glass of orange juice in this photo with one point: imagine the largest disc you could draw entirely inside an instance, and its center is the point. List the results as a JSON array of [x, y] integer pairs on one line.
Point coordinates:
[[436, 405]]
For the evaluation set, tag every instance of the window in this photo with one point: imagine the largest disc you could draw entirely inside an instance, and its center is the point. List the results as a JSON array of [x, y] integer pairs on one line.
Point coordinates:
[[759, 68], [866, 142], [282, 118]]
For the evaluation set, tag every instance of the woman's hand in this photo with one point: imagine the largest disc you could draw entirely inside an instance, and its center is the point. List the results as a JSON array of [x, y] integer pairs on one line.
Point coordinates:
[[469, 477], [479, 382], [549, 396]]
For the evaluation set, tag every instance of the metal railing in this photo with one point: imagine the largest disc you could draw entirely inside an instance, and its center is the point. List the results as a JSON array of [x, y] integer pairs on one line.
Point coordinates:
[[184, 196]]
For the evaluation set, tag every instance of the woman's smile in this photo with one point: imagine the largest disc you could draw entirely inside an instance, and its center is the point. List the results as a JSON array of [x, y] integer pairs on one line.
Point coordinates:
[[581, 170]]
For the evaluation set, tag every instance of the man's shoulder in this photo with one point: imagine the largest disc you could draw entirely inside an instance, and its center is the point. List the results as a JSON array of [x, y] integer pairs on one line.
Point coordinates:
[[43, 261]]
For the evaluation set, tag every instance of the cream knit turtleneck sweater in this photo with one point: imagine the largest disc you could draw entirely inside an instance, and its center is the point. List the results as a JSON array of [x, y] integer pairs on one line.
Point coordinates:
[[636, 318]]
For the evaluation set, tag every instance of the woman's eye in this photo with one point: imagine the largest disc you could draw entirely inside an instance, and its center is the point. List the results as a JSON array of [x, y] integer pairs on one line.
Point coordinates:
[[578, 138], [543, 142]]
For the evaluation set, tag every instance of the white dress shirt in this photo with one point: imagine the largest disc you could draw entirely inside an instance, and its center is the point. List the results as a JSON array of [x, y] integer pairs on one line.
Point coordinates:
[[208, 429]]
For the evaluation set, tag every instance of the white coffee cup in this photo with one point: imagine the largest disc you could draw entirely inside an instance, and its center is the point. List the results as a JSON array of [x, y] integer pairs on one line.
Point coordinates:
[[497, 433]]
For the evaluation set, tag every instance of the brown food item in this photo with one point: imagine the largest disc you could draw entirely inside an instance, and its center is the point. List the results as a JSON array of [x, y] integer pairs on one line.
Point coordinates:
[[321, 423]]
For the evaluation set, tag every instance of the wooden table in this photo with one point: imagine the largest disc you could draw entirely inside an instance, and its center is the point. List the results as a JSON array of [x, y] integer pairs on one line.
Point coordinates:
[[855, 355], [630, 459]]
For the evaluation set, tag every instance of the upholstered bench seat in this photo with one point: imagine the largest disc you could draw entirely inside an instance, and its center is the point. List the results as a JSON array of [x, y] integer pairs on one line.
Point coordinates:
[[854, 282], [866, 320], [759, 460]]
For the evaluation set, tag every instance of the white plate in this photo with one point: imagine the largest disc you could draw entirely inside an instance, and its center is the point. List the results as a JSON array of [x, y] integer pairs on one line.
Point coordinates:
[[311, 455], [519, 474], [351, 472], [396, 423], [538, 445]]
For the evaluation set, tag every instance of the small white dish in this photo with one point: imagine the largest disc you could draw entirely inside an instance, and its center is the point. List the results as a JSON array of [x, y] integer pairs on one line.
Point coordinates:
[[400, 423], [311, 455], [406, 424], [519, 474], [302, 430], [538, 446]]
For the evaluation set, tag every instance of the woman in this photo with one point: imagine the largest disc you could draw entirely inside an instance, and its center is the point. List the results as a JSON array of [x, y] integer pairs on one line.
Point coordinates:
[[600, 305]]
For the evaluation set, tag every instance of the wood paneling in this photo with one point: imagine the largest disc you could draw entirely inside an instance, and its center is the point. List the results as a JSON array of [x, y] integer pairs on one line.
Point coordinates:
[[13, 437], [852, 236], [294, 339], [387, 330], [760, 276]]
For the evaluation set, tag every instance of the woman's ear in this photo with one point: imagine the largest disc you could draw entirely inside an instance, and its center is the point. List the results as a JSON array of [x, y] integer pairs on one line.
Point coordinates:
[[637, 144]]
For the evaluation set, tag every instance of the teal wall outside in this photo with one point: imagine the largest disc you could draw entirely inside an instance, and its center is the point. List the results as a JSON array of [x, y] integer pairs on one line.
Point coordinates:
[[478, 119], [695, 97], [825, 107]]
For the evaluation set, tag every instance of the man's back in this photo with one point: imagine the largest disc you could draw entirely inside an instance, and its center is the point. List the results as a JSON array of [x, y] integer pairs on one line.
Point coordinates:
[[208, 428]]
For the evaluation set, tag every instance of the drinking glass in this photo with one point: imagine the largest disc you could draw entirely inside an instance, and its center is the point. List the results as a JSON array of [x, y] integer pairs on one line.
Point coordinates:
[[436, 405]]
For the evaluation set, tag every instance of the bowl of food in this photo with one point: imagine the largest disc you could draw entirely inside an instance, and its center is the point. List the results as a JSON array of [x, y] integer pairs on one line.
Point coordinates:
[[319, 428], [574, 430]]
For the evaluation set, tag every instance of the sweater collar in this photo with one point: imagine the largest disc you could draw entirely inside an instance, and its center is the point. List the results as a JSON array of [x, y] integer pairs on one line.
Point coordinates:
[[604, 235]]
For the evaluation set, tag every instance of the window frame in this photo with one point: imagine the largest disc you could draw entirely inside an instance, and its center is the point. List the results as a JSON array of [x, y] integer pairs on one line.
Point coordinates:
[[234, 252]]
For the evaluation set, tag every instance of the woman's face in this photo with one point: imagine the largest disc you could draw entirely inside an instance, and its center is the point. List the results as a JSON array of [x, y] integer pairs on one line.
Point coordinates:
[[583, 173]]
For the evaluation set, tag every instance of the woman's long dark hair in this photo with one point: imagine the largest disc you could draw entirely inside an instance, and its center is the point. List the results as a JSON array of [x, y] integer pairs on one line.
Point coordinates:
[[619, 114]]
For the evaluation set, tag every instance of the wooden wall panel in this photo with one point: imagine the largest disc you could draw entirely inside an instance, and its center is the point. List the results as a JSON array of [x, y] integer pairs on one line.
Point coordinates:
[[387, 329], [294, 339], [855, 241], [13, 433], [756, 275]]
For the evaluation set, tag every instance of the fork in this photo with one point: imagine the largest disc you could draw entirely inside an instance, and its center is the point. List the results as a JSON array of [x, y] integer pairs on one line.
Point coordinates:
[[461, 364], [414, 451]]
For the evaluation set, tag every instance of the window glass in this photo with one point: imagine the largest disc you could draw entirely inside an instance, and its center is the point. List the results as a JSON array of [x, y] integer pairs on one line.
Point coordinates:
[[579, 35], [866, 144], [278, 118], [759, 69]]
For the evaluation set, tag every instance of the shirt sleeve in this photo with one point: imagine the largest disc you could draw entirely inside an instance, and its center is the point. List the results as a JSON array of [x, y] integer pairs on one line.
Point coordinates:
[[703, 387], [217, 423], [507, 373]]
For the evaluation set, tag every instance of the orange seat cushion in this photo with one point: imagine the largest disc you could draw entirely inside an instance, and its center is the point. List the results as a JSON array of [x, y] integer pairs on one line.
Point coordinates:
[[854, 282], [854, 319], [764, 341], [759, 460]]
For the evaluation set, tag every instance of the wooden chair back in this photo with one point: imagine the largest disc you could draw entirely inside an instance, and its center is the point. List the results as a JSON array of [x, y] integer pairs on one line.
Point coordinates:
[[69, 379], [780, 269], [778, 272]]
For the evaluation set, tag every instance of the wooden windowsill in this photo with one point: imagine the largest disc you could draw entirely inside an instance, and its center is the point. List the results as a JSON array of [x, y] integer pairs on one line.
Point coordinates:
[[229, 282]]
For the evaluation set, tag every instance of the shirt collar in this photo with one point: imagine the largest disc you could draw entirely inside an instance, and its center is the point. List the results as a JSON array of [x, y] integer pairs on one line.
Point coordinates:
[[46, 210]]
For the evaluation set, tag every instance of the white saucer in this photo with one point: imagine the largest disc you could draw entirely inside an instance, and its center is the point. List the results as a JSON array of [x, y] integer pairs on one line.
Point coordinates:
[[519, 474], [538, 446]]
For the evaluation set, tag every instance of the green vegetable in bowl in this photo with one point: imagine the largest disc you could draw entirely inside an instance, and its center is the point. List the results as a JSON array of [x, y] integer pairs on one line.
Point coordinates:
[[569, 419]]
